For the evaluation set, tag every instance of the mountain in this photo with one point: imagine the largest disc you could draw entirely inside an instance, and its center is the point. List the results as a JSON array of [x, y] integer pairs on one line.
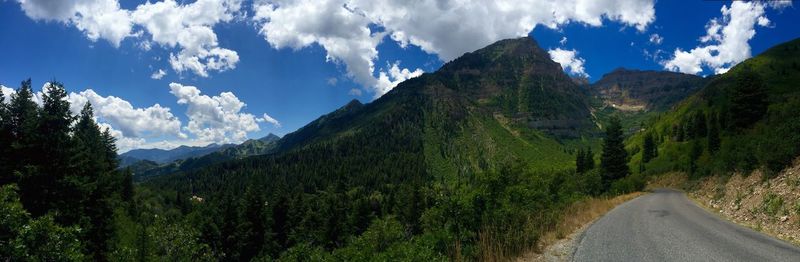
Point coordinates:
[[144, 169], [744, 119], [163, 156], [477, 145], [477, 157], [635, 90]]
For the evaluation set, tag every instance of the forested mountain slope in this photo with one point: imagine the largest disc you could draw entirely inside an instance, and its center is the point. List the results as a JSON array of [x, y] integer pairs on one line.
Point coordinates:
[[744, 119], [465, 151]]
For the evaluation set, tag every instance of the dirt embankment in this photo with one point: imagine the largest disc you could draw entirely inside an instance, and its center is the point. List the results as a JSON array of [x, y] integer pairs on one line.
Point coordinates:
[[771, 206], [768, 205]]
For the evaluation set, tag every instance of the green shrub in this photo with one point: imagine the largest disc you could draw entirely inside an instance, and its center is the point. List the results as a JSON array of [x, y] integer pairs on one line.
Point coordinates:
[[772, 204]]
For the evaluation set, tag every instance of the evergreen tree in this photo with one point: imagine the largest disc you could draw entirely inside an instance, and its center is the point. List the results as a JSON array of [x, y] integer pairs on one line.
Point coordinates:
[[614, 160], [697, 150], [713, 135], [6, 172], [253, 227], [700, 126], [54, 149], [24, 122], [748, 99], [95, 160], [580, 162], [648, 148], [588, 160]]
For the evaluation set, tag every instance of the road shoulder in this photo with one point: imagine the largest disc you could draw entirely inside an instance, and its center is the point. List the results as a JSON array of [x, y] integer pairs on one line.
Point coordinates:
[[560, 244]]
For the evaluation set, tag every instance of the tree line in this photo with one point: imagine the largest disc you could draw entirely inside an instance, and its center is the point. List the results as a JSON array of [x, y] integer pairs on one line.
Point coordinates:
[[59, 179]]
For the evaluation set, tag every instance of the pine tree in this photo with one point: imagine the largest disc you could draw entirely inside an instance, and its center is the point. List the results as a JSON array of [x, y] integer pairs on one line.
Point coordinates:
[[54, 149], [588, 160], [748, 99], [24, 122], [6, 173], [95, 160], [713, 135], [699, 125], [648, 148], [580, 162], [697, 150], [254, 224], [614, 160]]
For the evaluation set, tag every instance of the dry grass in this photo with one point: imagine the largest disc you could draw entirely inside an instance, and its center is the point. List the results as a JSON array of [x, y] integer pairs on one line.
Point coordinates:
[[574, 217], [579, 214]]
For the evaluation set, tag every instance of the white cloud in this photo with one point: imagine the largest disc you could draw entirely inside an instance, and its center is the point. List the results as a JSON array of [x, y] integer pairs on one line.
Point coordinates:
[[268, 119], [332, 81], [388, 80], [344, 28], [36, 96], [190, 27], [726, 40], [153, 121], [187, 27], [96, 18], [123, 143], [216, 118], [158, 74], [344, 34], [6, 93], [569, 61], [563, 40], [355, 92], [656, 39]]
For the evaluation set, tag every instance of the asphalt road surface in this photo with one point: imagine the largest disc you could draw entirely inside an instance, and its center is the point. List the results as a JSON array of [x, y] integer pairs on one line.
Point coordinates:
[[667, 226]]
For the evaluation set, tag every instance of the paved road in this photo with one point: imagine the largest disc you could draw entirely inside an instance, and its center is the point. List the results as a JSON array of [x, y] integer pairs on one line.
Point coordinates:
[[666, 226]]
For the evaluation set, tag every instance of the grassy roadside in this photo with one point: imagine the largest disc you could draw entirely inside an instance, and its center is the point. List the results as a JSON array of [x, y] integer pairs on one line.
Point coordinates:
[[558, 240]]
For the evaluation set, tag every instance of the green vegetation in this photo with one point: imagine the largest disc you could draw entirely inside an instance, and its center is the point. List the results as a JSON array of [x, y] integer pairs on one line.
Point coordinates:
[[742, 120], [60, 184], [772, 204], [477, 161]]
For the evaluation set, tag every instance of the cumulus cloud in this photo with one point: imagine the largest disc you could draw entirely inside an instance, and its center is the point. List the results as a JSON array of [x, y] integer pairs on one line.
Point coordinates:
[[158, 74], [346, 29], [726, 41], [190, 27], [268, 119], [6, 93], [216, 118], [96, 18], [37, 96], [131, 121], [187, 27], [395, 75], [569, 61], [656, 39], [212, 119]]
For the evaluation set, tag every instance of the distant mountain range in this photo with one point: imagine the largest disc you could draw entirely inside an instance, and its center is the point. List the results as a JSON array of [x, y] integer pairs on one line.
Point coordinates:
[[162, 161], [162, 156]]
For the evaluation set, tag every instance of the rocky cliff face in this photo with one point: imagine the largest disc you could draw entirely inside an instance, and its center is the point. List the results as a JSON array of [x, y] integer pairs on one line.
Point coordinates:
[[635, 90]]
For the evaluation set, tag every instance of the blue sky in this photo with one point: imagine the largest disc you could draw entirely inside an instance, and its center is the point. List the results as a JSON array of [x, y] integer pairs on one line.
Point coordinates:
[[297, 60]]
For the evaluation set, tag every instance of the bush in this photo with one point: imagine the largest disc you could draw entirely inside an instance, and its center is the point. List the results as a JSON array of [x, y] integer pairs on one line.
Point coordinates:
[[772, 204]]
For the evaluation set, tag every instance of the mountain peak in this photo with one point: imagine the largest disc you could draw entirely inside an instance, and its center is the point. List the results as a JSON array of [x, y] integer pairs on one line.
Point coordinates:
[[503, 53], [270, 137]]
